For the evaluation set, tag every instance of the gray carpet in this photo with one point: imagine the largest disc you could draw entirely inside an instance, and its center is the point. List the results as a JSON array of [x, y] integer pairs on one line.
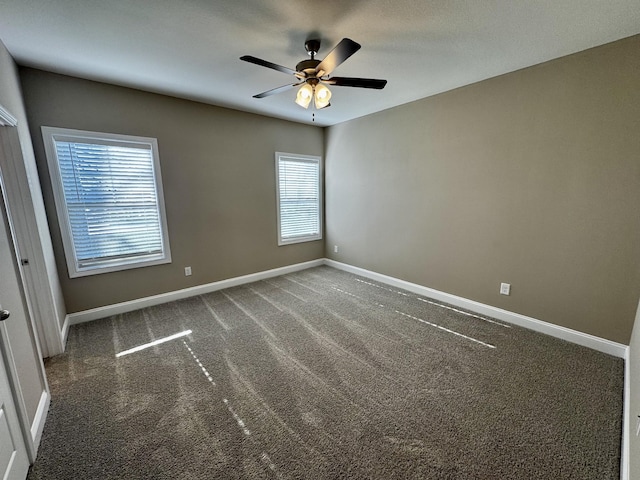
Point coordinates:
[[325, 375]]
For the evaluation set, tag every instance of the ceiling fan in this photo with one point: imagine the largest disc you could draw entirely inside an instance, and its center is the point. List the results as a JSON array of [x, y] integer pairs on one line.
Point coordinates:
[[314, 75]]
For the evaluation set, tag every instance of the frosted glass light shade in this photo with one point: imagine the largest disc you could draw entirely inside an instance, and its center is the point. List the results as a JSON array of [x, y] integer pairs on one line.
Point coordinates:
[[304, 95], [322, 96]]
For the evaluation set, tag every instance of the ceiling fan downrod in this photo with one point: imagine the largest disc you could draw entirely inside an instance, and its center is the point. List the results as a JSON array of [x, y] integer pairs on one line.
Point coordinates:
[[307, 68]]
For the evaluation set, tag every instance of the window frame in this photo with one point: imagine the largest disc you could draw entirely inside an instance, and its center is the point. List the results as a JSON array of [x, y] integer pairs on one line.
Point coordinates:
[[309, 159], [50, 136]]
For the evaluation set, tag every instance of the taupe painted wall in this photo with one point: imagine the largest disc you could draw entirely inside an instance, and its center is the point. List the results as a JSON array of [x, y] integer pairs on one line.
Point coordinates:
[[218, 176], [634, 410], [19, 330], [531, 178]]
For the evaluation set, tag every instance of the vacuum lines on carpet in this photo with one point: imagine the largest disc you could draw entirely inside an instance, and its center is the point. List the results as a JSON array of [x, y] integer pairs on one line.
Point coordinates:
[[322, 374]]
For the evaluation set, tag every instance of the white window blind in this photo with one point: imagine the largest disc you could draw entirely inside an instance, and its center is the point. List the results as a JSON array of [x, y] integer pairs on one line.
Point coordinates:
[[299, 198], [108, 196]]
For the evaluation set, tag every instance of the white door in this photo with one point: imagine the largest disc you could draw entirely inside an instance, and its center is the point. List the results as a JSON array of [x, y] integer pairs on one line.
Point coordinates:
[[20, 191], [14, 463]]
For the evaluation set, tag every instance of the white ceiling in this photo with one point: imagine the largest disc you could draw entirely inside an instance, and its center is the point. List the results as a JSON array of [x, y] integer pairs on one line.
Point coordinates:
[[191, 48]]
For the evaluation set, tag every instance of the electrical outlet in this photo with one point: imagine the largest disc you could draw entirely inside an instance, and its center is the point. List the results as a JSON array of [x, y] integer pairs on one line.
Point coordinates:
[[335, 249], [187, 271], [505, 288]]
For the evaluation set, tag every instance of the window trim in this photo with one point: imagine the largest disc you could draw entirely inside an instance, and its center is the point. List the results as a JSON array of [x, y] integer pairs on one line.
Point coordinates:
[[50, 136], [307, 158]]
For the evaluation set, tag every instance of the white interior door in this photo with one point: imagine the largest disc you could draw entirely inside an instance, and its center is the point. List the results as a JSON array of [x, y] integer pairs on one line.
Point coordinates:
[[14, 462], [36, 271]]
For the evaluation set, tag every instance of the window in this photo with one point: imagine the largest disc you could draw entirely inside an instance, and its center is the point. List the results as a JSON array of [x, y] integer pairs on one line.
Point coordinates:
[[299, 198], [108, 195]]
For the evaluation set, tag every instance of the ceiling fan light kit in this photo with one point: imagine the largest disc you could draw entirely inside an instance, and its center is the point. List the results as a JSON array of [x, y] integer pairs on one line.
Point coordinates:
[[313, 75], [320, 94]]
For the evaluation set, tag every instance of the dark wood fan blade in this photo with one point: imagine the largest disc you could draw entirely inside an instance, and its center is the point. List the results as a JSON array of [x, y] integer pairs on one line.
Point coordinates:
[[264, 63], [339, 54], [356, 82], [274, 91]]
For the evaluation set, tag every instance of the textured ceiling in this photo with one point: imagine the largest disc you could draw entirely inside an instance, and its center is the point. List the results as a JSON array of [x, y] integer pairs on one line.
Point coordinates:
[[191, 48]]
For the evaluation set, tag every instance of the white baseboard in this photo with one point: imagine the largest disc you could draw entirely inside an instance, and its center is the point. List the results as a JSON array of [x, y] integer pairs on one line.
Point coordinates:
[[584, 339], [39, 420], [64, 333], [626, 418], [600, 344], [106, 311]]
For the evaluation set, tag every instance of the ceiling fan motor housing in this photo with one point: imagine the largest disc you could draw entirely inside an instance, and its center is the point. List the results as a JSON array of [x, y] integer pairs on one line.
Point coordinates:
[[308, 67]]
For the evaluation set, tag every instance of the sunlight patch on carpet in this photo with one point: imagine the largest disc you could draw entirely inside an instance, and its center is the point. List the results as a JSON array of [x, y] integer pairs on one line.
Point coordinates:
[[154, 343]]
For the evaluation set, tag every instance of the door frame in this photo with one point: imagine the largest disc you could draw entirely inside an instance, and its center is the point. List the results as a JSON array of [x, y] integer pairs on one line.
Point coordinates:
[[31, 432], [37, 287]]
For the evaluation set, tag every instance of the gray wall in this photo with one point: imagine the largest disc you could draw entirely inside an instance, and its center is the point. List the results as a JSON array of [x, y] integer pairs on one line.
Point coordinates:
[[531, 178], [634, 410], [20, 332], [218, 177]]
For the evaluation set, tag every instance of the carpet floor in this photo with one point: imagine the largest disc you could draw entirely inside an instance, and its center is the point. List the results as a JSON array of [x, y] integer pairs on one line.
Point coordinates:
[[322, 374]]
